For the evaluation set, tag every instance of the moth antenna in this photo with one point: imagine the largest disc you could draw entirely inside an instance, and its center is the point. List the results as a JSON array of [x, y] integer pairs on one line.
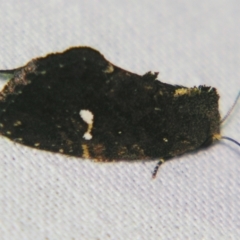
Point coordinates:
[[7, 74], [231, 139], [11, 71], [3, 72], [230, 110], [226, 116]]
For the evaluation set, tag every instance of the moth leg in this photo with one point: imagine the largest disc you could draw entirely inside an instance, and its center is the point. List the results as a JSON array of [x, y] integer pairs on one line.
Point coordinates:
[[160, 162]]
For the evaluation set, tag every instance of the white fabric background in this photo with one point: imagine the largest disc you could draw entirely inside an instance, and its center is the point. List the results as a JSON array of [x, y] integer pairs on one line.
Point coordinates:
[[197, 196]]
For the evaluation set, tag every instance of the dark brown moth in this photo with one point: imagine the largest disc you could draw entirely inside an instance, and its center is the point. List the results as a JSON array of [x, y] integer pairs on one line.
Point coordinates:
[[77, 103]]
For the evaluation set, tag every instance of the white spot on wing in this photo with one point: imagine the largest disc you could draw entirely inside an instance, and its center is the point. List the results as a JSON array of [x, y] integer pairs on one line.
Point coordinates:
[[87, 136], [87, 117]]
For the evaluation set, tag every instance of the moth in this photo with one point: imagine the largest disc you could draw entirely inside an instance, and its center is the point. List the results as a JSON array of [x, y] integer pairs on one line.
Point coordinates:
[[77, 103]]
